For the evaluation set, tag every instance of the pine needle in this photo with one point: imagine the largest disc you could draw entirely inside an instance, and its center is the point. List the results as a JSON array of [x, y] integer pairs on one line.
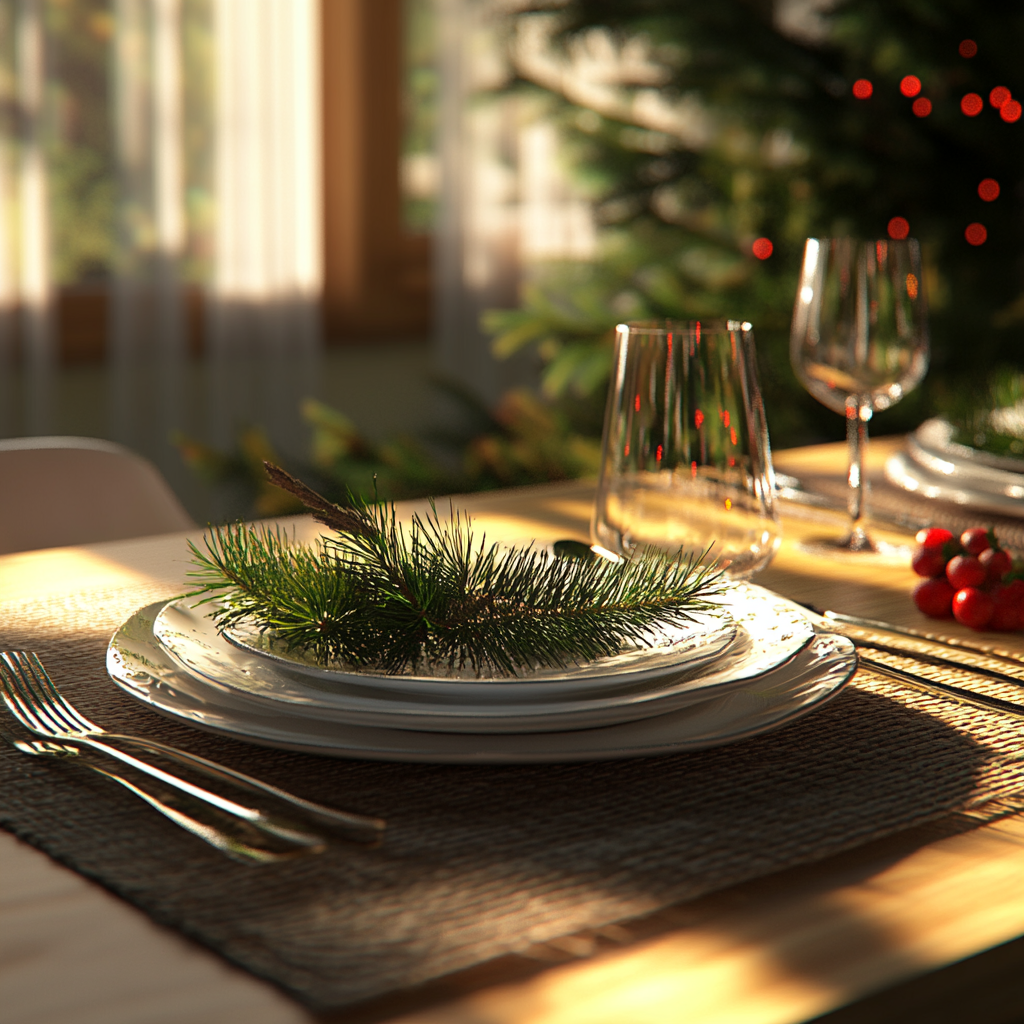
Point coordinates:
[[382, 597]]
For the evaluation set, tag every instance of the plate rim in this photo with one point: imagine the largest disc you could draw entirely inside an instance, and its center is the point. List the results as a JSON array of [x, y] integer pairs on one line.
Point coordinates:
[[669, 691], [238, 731], [493, 684]]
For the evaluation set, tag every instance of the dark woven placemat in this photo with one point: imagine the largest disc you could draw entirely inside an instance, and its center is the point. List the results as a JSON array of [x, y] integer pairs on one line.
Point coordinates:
[[481, 861]]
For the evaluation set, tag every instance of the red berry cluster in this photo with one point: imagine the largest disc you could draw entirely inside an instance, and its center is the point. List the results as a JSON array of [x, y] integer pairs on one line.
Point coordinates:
[[972, 579]]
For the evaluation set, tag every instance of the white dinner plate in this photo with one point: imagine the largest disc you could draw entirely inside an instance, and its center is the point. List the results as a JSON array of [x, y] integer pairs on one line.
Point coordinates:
[[767, 630], [144, 669], [935, 466]]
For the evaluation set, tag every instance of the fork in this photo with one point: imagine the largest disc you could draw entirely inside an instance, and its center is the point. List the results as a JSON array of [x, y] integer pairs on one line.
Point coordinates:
[[34, 700], [833, 621], [234, 837]]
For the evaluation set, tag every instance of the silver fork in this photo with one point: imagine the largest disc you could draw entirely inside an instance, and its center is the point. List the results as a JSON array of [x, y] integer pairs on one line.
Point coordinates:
[[234, 837], [35, 701]]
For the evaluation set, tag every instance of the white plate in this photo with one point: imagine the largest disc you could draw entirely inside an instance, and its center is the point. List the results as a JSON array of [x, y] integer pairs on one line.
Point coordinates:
[[141, 666], [670, 648], [935, 438], [767, 629], [905, 472], [935, 466]]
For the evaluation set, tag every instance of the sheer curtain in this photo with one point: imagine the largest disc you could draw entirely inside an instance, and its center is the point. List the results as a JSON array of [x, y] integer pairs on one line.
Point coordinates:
[[204, 168], [505, 203], [26, 320], [264, 315], [147, 342]]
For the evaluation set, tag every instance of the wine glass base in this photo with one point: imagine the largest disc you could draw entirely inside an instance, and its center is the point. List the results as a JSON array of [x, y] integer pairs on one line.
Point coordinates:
[[857, 542]]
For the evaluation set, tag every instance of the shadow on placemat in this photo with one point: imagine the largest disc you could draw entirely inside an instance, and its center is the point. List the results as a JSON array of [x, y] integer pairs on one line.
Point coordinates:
[[482, 861]]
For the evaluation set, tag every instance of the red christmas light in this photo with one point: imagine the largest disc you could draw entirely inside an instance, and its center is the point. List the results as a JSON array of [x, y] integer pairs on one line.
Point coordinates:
[[976, 234], [968, 48], [922, 106], [1010, 111], [998, 96], [899, 227], [988, 189], [972, 104], [762, 248], [910, 86], [862, 88]]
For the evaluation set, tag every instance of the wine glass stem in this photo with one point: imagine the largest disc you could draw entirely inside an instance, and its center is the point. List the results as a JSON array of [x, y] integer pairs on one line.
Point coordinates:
[[857, 416]]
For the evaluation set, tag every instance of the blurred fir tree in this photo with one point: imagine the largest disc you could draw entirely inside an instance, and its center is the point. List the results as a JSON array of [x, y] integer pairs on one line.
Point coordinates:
[[781, 148]]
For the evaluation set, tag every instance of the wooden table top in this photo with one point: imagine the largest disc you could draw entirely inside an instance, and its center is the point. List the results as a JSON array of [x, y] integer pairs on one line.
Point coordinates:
[[926, 922]]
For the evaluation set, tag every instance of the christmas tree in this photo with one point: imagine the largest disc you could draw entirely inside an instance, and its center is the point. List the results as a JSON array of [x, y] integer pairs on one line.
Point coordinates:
[[896, 117]]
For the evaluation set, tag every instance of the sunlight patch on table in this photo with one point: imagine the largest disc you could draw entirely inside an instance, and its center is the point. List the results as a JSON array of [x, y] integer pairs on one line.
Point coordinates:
[[34, 574]]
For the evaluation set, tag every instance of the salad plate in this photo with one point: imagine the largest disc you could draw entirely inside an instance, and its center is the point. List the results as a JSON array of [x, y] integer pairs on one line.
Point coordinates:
[[145, 669], [763, 632], [668, 648]]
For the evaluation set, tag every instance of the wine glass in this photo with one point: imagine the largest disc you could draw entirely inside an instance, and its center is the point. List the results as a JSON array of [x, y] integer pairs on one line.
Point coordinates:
[[859, 341]]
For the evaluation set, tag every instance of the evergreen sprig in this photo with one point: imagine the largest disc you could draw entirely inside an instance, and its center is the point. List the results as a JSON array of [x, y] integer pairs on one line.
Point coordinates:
[[380, 596]]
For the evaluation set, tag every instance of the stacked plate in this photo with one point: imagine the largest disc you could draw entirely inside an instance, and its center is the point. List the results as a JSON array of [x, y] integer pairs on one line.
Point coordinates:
[[750, 664], [935, 466]]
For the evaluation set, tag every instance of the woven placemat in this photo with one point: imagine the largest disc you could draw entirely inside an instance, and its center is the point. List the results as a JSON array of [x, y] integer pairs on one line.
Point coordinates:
[[483, 861]]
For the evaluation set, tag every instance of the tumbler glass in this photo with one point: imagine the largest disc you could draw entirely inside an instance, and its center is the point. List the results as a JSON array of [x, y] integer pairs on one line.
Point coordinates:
[[686, 465]]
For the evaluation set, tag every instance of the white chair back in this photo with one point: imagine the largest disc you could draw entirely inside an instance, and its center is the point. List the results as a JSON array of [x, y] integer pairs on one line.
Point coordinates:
[[56, 491]]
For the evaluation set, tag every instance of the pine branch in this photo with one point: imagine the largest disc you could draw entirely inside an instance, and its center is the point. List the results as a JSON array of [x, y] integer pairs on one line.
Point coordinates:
[[324, 511], [378, 596]]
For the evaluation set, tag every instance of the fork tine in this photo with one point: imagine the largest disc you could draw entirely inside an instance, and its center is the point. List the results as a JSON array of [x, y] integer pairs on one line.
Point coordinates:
[[56, 700], [56, 723], [13, 695]]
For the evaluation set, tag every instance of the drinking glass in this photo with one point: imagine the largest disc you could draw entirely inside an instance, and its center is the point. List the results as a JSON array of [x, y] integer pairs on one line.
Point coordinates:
[[859, 341], [686, 462]]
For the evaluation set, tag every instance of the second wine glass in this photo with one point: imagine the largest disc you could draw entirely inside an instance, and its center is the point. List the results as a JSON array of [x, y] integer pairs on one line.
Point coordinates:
[[859, 340]]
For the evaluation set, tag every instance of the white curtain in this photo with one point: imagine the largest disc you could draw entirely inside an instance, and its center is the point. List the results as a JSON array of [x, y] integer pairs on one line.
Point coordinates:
[[213, 111], [264, 314], [147, 342], [26, 315], [505, 201]]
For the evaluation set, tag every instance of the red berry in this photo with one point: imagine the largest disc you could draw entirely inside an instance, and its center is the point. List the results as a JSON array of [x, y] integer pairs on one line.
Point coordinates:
[[1005, 618], [934, 598], [933, 538], [975, 540], [1006, 613], [965, 571], [929, 562], [973, 607], [997, 563]]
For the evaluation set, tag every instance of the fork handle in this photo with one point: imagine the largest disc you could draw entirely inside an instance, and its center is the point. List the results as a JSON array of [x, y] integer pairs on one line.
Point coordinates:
[[270, 824], [946, 689], [353, 826], [228, 835]]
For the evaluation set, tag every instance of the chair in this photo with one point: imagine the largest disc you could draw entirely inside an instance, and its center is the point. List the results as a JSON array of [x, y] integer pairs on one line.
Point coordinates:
[[57, 491]]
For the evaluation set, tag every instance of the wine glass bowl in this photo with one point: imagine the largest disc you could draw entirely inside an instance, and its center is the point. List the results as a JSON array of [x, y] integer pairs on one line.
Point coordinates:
[[859, 340]]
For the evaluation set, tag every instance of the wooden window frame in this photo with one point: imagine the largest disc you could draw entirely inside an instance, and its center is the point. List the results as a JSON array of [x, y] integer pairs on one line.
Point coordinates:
[[377, 275]]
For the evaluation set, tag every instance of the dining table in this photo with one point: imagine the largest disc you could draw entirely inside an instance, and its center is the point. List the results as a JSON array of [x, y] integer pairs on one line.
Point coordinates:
[[920, 921]]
